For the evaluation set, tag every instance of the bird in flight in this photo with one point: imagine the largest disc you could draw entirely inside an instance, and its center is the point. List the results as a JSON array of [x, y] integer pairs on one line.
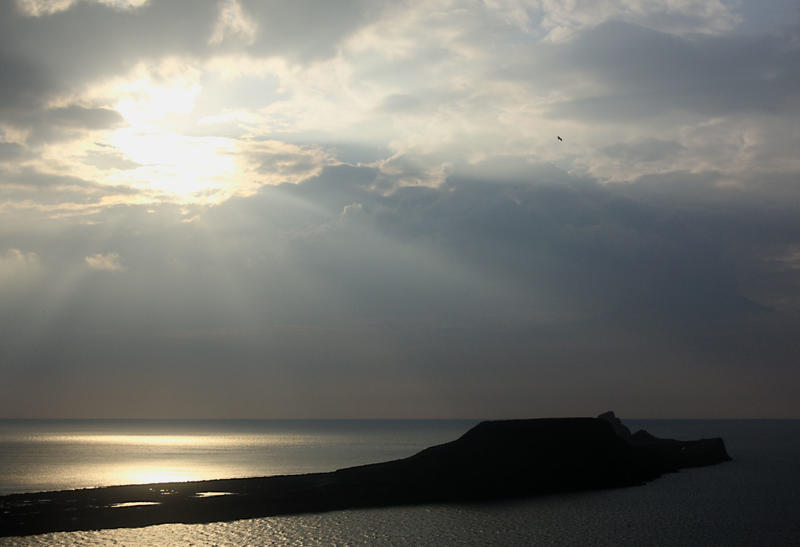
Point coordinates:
[[559, 138]]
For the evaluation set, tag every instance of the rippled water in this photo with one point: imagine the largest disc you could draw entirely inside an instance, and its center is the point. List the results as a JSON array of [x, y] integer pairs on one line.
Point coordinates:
[[752, 500]]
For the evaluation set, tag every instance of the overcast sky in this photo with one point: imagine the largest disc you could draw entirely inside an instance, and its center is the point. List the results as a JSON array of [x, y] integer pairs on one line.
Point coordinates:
[[355, 209]]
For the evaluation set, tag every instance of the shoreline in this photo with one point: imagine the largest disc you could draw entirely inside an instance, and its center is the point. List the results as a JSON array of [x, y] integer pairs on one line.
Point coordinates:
[[492, 461]]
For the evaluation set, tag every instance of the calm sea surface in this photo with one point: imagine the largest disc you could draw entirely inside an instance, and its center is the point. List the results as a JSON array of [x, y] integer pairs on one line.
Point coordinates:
[[753, 500]]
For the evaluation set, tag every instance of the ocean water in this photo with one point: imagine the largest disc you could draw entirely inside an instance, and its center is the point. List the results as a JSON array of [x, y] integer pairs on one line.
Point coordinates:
[[43, 455], [752, 500]]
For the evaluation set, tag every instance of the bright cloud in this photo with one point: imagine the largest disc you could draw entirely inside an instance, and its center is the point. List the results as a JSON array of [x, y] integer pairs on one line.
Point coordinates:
[[233, 21], [439, 81], [38, 8], [109, 262]]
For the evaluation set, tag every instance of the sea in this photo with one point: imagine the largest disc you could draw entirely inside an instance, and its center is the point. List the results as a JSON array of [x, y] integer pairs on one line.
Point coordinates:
[[752, 500]]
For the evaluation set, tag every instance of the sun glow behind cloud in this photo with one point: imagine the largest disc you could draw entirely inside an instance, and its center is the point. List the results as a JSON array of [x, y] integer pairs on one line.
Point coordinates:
[[181, 141], [158, 105], [176, 167]]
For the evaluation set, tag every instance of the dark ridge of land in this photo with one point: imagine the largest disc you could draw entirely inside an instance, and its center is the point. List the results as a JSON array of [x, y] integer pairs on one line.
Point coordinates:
[[493, 460]]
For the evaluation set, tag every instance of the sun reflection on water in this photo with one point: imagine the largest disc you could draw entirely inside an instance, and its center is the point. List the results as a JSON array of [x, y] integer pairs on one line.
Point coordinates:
[[146, 474], [154, 440], [107, 459], [144, 440]]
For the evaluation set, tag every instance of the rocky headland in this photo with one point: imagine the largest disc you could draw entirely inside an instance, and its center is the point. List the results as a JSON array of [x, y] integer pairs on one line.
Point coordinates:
[[493, 460]]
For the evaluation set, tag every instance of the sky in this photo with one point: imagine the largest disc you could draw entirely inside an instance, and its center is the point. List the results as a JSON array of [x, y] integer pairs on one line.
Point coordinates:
[[360, 209]]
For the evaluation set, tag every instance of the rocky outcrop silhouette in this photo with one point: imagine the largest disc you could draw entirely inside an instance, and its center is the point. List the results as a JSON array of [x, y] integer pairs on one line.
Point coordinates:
[[493, 460]]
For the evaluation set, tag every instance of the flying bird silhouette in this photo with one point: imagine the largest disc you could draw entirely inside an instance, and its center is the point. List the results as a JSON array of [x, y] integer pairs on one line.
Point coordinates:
[[559, 138]]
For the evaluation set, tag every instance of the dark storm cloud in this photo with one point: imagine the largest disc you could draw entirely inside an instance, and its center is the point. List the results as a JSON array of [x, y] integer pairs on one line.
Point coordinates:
[[52, 55], [596, 249], [51, 125], [10, 151], [119, 38], [651, 73], [27, 82], [565, 256], [44, 57], [21, 82], [49, 45], [81, 117], [35, 180], [308, 29], [646, 150], [48, 189]]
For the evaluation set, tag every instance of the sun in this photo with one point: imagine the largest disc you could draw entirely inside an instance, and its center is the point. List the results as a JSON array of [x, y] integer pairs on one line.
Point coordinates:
[[170, 161], [176, 167]]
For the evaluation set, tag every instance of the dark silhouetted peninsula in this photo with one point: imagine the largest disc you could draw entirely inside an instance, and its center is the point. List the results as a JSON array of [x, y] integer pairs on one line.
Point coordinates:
[[493, 460]]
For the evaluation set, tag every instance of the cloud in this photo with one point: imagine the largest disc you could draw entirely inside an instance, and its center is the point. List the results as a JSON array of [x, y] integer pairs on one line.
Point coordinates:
[[103, 159], [10, 151], [440, 83], [371, 195], [536, 276], [559, 21], [651, 73], [22, 84], [540, 276], [648, 150], [88, 118], [66, 123], [151, 31], [276, 162], [38, 8], [685, 17], [108, 262], [18, 267], [233, 21], [401, 102], [352, 209], [30, 188], [589, 248]]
